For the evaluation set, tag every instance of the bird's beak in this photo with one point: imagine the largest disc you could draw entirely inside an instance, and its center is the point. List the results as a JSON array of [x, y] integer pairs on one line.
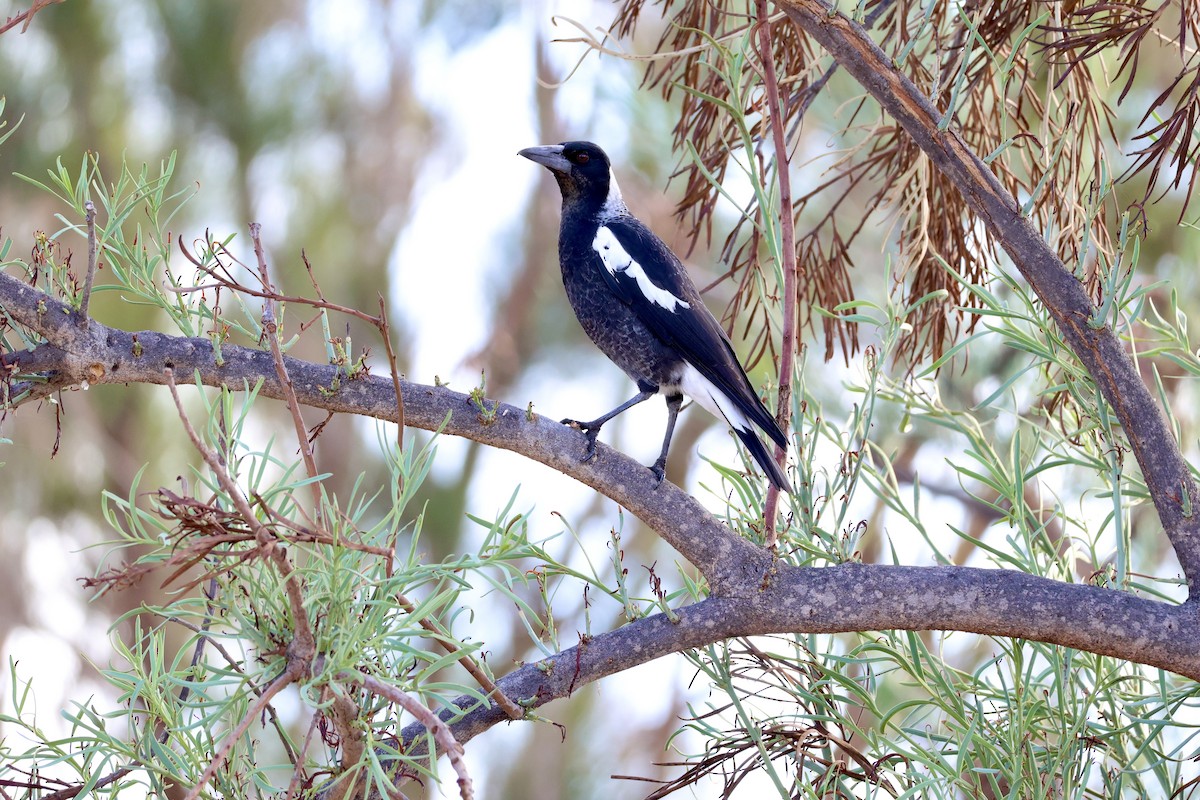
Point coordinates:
[[549, 156]]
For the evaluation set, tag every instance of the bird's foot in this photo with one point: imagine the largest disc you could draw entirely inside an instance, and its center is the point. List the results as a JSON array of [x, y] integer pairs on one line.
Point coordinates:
[[591, 431], [659, 469]]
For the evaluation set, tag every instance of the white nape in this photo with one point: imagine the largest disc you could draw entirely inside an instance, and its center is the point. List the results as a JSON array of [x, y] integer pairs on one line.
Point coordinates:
[[614, 204]]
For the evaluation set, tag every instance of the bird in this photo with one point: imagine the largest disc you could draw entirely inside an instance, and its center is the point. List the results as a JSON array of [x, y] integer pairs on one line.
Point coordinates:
[[634, 299]]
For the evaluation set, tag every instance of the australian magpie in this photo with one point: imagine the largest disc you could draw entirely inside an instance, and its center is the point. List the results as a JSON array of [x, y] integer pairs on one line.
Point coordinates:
[[635, 301]]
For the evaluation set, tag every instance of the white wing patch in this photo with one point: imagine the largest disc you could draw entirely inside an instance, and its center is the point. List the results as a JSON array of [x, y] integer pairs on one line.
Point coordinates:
[[712, 399], [617, 260]]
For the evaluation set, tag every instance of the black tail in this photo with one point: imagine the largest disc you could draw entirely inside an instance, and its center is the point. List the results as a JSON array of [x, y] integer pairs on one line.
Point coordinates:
[[762, 455]]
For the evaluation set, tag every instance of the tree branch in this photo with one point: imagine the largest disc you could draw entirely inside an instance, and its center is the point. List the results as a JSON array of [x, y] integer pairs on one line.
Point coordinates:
[[90, 278], [426, 720], [99, 354], [1175, 494], [746, 585], [860, 597], [26, 16], [751, 595], [789, 265]]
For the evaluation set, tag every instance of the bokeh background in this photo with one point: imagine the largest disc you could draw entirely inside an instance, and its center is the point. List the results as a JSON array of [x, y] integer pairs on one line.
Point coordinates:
[[380, 139]]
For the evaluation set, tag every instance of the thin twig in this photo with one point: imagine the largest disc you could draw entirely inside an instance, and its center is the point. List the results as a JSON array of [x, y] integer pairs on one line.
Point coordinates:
[[441, 733], [266, 294], [201, 640], [89, 209], [271, 331], [303, 534], [385, 332], [298, 773], [469, 664], [771, 664], [379, 322], [26, 16], [276, 686], [236, 666], [790, 265], [73, 791], [304, 641]]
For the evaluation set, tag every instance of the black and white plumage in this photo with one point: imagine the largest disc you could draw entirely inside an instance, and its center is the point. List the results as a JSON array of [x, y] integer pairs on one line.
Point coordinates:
[[634, 299]]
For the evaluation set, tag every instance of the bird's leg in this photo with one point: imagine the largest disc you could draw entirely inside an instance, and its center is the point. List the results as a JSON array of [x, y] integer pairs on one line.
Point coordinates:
[[659, 468], [592, 429]]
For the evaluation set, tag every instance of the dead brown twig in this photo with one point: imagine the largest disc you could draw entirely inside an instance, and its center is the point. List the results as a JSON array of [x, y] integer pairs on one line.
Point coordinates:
[[789, 265], [26, 16], [205, 530]]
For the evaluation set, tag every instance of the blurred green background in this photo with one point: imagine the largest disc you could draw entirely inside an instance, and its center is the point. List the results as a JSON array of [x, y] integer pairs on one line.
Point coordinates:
[[380, 139]]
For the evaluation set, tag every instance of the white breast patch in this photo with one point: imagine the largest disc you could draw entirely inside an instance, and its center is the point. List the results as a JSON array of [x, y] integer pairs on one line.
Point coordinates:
[[617, 260]]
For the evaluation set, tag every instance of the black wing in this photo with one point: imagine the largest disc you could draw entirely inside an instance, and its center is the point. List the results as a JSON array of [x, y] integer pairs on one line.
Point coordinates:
[[649, 278]]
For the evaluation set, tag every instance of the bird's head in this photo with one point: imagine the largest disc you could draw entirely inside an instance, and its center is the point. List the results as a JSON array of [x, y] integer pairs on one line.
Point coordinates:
[[583, 173]]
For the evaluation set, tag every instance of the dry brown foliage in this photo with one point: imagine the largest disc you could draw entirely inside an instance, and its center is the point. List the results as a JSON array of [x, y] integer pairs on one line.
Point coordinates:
[[1033, 85]]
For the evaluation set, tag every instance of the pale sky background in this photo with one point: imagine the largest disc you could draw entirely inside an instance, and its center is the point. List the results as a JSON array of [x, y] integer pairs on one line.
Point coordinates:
[[493, 110], [470, 195], [443, 264]]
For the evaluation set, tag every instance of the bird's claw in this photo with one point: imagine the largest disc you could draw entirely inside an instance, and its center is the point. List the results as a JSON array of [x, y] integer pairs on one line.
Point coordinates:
[[588, 431], [659, 470], [591, 434]]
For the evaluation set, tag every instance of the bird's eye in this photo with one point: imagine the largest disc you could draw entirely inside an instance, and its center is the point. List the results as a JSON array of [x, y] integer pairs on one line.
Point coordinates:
[[582, 158]]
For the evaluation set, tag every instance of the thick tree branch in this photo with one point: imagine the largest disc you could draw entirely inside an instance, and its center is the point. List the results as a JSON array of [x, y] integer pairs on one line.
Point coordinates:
[[1175, 494], [858, 597], [750, 595], [994, 602], [99, 354]]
